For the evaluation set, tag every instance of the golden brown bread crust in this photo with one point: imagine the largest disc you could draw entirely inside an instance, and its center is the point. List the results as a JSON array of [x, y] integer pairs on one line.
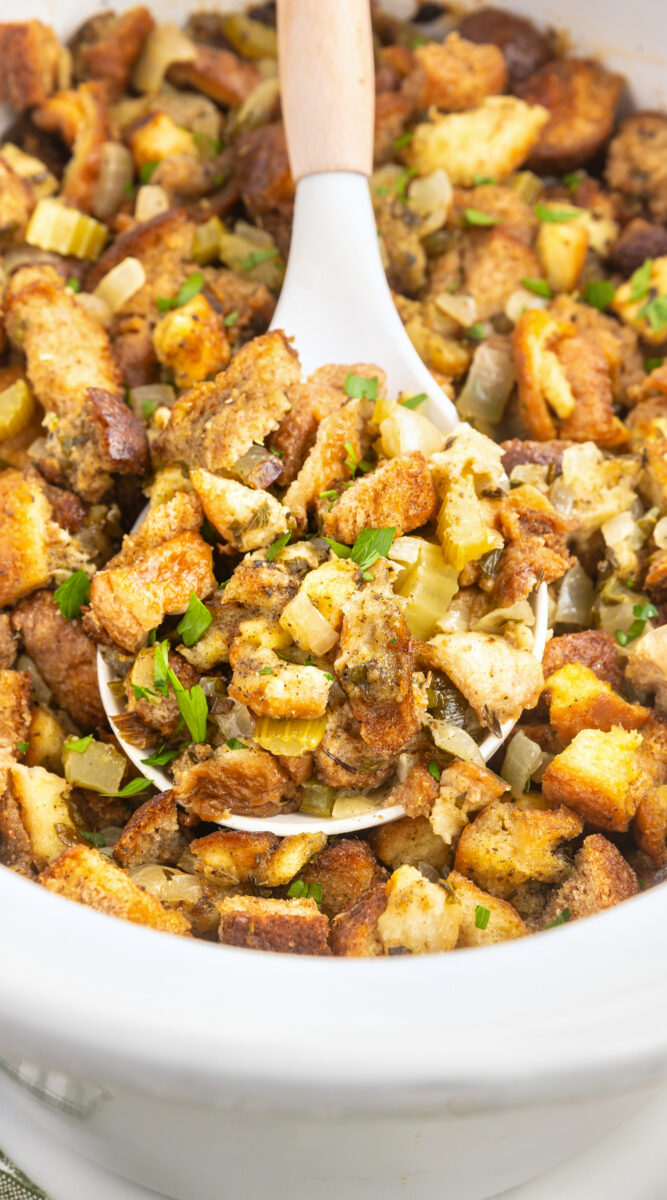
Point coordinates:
[[399, 493], [327, 461], [655, 582], [249, 782], [592, 648], [637, 162], [218, 73], [596, 776], [263, 173], [162, 713], [16, 204], [354, 934], [343, 758], [409, 840], [231, 855], [108, 48], [64, 657], [29, 52], [102, 439], [15, 702], [581, 98], [619, 343], [284, 926], [25, 532], [417, 793], [587, 372], [524, 48], [90, 878], [8, 642], [344, 871], [600, 878], [163, 247], [549, 454], [455, 74], [81, 118], [579, 700], [15, 846], [505, 846], [494, 263], [391, 112], [637, 241], [536, 549], [152, 834], [649, 827]]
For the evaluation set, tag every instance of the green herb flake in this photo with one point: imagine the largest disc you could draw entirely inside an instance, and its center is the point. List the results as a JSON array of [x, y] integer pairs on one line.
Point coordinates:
[[357, 387], [188, 290], [275, 547], [235, 744], [297, 889], [599, 293], [655, 312], [95, 839], [148, 408], [161, 757], [434, 770], [315, 893], [652, 364], [147, 171], [413, 402], [562, 919], [195, 622], [128, 188], [642, 613], [417, 41], [640, 280], [258, 256], [403, 140], [381, 191], [22, 747], [218, 180], [480, 180], [371, 545], [231, 318], [476, 332], [143, 693], [573, 179], [351, 460], [131, 788], [475, 216], [80, 745], [554, 216], [331, 494], [403, 181], [539, 286], [204, 141], [71, 594], [338, 548], [482, 915], [193, 706], [161, 667], [151, 637], [266, 671], [73, 284]]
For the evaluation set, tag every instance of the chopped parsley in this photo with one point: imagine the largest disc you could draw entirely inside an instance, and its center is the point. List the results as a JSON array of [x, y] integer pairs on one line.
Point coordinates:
[[434, 770], [545, 212], [143, 693], [266, 671], [147, 171], [300, 890], [475, 216], [360, 388], [331, 494], [476, 332], [195, 621], [351, 460], [231, 318], [652, 364], [539, 286], [131, 788], [151, 637], [414, 401], [204, 141], [562, 919], [161, 757], [235, 744], [71, 594], [573, 180], [73, 284], [193, 706], [95, 839], [641, 613], [640, 279], [23, 747], [480, 180], [403, 140], [161, 667], [258, 256], [482, 915], [599, 293], [275, 547], [655, 311], [80, 745], [191, 288], [403, 181], [371, 545]]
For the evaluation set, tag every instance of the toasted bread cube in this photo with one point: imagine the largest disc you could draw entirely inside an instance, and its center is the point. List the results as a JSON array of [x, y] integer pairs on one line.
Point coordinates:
[[543, 384], [600, 878], [562, 249], [43, 804], [650, 825], [409, 842], [354, 934], [280, 865], [218, 73], [30, 55], [46, 738], [647, 665], [231, 855], [157, 136], [592, 648], [250, 782], [595, 775], [579, 700], [505, 846], [152, 834], [15, 697], [284, 926], [245, 517], [192, 342], [330, 586], [65, 658], [399, 493], [420, 918], [16, 204], [493, 139], [455, 74], [25, 533], [326, 462], [85, 875], [502, 925], [344, 871], [633, 312], [494, 677], [465, 788]]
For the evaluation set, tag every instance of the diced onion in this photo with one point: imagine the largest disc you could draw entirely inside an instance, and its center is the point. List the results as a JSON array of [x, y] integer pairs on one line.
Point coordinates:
[[116, 174], [575, 599], [96, 307], [258, 467], [406, 431], [461, 308], [206, 241], [53, 226], [431, 197], [527, 185], [455, 741], [165, 44], [616, 616], [16, 409], [660, 534], [489, 383], [33, 170], [404, 765], [493, 622], [151, 201], [165, 883], [238, 722], [429, 586], [310, 630], [258, 106], [523, 757], [99, 768], [561, 496], [405, 550], [120, 283], [292, 737], [249, 37], [622, 528], [520, 300]]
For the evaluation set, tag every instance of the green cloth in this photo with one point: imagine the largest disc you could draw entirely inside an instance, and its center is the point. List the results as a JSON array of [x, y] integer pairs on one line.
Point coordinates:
[[14, 1185]]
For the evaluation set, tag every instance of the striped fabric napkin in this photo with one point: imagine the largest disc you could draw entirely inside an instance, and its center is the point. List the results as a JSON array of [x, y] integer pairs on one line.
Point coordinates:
[[14, 1185]]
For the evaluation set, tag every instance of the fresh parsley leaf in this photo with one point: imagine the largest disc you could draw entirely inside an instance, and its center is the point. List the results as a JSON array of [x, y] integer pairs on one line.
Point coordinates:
[[652, 364], [417, 40], [95, 839], [382, 191], [161, 667], [414, 401], [562, 919], [364, 465], [315, 893], [23, 747], [143, 693], [475, 216], [640, 279], [371, 545], [71, 594], [434, 769], [480, 180], [655, 312], [545, 212], [131, 788], [278, 453], [275, 547], [151, 637], [148, 408], [642, 613], [128, 188], [338, 548], [403, 181], [327, 675], [482, 915], [599, 293], [73, 284], [204, 141], [235, 744], [331, 494], [358, 387], [231, 318], [573, 179], [80, 745], [191, 288], [351, 460], [258, 256], [403, 140], [297, 889], [161, 757], [147, 171], [193, 706], [476, 332], [195, 622], [266, 671], [539, 286]]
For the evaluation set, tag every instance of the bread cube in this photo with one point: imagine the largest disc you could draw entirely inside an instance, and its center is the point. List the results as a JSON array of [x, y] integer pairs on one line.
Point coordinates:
[[600, 878], [492, 139], [152, 834], [43, 804], [502, 924], [231, 855], [578, 700], [15, 698], [505, 846], [191, 341], [243, 516], [465, 788], [354, 933], [284, 926], [420, 918], [595, 775], [284, 861], [409, 841], [344, 870]]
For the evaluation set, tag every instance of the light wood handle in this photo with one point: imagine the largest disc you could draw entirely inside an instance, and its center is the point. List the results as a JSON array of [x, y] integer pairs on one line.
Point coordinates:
[[325, 50]]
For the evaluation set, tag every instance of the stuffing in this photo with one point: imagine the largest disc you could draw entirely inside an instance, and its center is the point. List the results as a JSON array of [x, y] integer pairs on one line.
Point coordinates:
[[16, 204], [505, 846], [284, 926], [152, 834], [32, 545], [636, 164], [637, 312], [581, 98], [596, 776], [31, 55], [638, 240], [327, 461], [507, 208], [455, 74], [163, 247], [468, 452], [497, 680], [270, 686], [523, 47], [646, 423], [243, 516], [578, 700], [416, 793], [562, 248], [649, 826], [465, 788], [592, 648], [41, 802], [600, 878], [344, 871], [191, 341], [282, 862], [46, 740], [392, 109], [8, 642], [249, 303], [411, 842], [107, 47], [420, 917], [217, 73], [81, 118], [399, 226], [647, 666], [297, 431], [264, 179], [155, 710], [535, 550], [354, 934], [261, 587], [502, 924], [655, 582], [619, 343], [601, 487], [63, 655], [494, 264], [15, 698], [331, 585], [493, 139], [344, 760], [215, 423], [156, 136], [399, 493], [231, 856], [249, 782], [85, 875]]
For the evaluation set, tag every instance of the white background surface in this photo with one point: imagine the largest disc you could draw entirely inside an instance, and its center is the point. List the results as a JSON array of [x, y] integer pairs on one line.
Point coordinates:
[[629, 1164]]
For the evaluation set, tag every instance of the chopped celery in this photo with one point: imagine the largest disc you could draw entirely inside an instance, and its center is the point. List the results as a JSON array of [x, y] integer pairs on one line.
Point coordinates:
[[64, 230], [100, 768], [429, 586], [16, 409], [527, 185], [249, 37], [462, 531], [317, 799], [291, 737], [206, 241]]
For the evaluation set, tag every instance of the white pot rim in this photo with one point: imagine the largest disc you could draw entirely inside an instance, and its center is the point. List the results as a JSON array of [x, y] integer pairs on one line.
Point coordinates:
[[580, 1007]]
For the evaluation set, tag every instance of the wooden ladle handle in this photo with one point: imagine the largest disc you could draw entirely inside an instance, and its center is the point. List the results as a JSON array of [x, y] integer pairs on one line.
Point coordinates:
[[325, 51]]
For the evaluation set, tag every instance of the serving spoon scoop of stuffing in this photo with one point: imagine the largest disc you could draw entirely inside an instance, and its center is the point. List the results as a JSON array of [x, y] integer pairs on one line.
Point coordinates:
[[335, 302]]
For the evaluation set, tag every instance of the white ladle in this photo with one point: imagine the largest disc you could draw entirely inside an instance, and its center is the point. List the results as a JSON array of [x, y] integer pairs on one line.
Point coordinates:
[[335, 301]]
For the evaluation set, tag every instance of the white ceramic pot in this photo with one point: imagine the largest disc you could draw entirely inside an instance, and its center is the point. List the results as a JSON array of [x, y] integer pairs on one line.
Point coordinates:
[[209, 1073]]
